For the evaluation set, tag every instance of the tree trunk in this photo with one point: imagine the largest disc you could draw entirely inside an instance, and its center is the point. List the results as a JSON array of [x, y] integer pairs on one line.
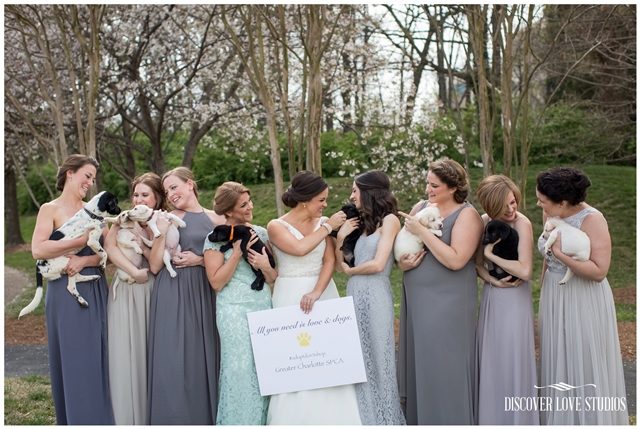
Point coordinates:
[[314, 101], [11, 212]]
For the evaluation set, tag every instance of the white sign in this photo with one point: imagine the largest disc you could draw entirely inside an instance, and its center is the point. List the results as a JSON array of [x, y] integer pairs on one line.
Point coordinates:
[[295, 351]]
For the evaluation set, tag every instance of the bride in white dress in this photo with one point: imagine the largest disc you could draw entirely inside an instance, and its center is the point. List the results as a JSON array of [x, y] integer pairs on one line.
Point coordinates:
[[305, 258]]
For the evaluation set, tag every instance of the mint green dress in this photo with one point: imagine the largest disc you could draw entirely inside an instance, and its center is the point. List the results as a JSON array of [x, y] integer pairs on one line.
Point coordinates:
[[239, 400]]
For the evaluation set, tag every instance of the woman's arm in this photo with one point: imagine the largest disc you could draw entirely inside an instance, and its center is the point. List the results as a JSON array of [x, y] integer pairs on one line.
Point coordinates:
[[597, 267], [388, 232], [157, 250], [328, 262], [41, 246], [465, 238], [120, 260], [523, 266], [285, 241], [219, 271]]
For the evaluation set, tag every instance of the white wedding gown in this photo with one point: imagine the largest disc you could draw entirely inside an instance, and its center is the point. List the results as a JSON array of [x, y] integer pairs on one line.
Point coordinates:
[[297, 275]]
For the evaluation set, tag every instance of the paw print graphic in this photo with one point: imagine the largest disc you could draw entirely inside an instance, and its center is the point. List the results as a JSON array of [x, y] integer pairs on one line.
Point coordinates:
[[304, 339]]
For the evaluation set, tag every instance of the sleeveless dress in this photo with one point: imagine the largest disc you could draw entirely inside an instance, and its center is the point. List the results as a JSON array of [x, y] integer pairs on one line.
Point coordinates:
[[183, 340], [297, 275], [128, 320], [579, 346], [77, 342], [437, 340], [506, 355], [378, 398], [239, 401]]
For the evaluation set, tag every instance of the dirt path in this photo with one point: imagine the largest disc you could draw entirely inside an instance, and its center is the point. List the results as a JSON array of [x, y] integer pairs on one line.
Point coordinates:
[[15, 281]]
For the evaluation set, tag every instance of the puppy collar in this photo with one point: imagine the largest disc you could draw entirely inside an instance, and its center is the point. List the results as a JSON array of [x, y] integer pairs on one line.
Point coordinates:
[[93, 215], [231, 233]]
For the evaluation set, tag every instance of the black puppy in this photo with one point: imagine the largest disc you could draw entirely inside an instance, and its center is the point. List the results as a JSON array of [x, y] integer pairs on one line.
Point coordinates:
[[349, 244], [231, 233], [507, 247]]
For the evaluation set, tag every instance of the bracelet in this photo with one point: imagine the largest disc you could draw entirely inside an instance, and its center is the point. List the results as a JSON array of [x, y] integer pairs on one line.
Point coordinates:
[[328, 227]]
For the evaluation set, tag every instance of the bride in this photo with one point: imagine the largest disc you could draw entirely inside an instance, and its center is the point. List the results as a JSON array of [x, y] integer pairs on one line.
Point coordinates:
[[305, 263]]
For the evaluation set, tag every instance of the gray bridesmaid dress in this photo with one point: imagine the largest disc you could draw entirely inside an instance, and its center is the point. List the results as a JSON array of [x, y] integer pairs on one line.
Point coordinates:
[[378, 400], [183, 354], [78, 354], [579, 346], [437, 340]]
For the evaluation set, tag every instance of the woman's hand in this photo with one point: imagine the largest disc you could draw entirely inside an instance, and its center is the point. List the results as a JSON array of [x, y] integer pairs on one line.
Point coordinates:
[[337, 219], [75, 265], [556, 248], [346, 268], [307, 301], [488, 249], [163, 224], [259, 261], [347, 228], [187, 259], [409, 261], [412, 224], [141, 275], [505, 282]]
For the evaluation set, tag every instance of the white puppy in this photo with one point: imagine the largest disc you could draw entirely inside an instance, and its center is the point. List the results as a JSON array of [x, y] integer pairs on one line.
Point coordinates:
[[575, 242], [408, 243], [127, 238]]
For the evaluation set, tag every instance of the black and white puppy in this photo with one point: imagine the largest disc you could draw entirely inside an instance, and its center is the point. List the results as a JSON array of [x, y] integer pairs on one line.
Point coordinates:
[[90, 218], [506, 248], [349, 243], [232, 233]]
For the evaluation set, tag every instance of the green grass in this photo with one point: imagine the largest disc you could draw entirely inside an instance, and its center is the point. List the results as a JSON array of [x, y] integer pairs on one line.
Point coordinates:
[[27, 401]]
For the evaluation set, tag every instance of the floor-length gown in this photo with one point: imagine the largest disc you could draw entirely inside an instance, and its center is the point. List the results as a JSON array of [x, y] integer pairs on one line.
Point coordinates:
[[506, 356], [78, 357], [183, 339], [128, 319], [297, 275], [378, 399], [239, 401], [436, 363], [579, 346]]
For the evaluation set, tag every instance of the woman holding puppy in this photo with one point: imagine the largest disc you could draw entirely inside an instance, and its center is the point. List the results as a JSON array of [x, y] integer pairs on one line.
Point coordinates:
[[306, 258], [438, 310], [183, 341], [370, 287], [77, 337], [128, 314], [239, 401], [578, 332], [505, 341]]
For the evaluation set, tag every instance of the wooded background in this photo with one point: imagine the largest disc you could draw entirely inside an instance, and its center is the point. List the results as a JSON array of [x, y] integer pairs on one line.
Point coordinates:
[[256, 93]]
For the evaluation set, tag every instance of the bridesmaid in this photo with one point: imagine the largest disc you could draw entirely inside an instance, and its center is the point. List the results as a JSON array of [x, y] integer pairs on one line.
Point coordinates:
[[183, 354], [77, 337], [505, 344], [128, 316], [370, 287], [239, 401], [578, 330], [438, 313]]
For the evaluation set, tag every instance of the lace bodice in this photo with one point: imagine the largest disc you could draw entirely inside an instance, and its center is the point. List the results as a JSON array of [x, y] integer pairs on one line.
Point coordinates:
[[575, 220], [299, 266]]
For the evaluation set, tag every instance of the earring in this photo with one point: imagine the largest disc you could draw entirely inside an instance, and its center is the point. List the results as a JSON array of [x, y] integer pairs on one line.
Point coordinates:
[[304, 205]]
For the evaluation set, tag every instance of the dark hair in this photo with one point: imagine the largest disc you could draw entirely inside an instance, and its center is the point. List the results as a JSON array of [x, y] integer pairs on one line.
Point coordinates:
[[73, 163], [227, 196], [454, 176], [153, 181], [563, 184], [376, 199], [304, 186]]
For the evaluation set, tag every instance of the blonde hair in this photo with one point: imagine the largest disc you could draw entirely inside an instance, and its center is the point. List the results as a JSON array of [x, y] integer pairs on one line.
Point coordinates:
[[493, 192], [227, 196], [184, 174], [452, 174], [153, 181]]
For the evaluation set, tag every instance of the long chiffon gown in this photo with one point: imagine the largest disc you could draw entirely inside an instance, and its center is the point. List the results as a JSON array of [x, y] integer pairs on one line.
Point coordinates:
[[378, 398], [128, 319], [78, 358], [183, 339], [239, 401], [579, 346], [297, 275], [437, 340]]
